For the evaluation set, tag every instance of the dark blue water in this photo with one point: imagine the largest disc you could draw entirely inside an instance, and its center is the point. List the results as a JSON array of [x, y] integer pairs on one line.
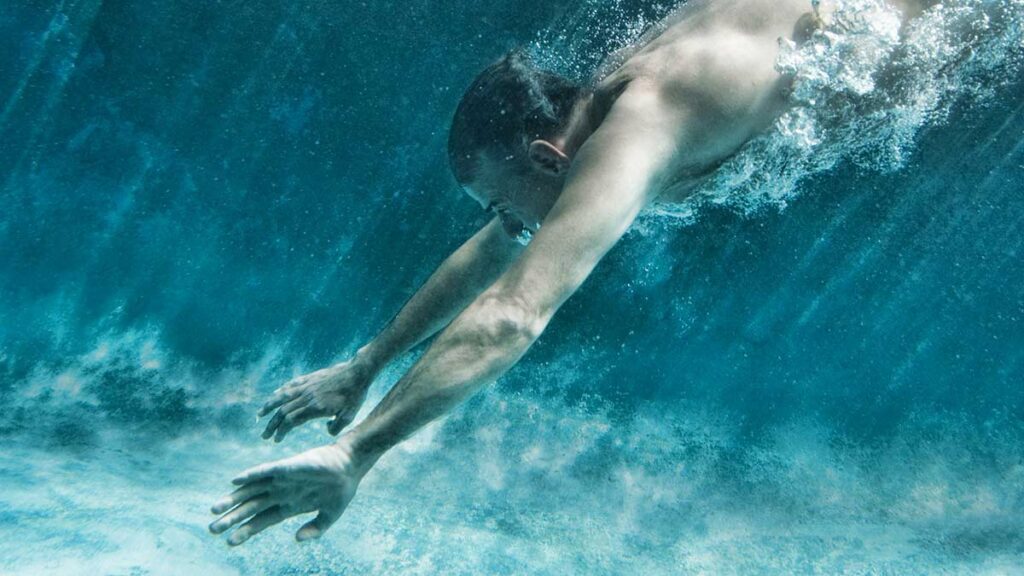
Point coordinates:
[[815, 367]]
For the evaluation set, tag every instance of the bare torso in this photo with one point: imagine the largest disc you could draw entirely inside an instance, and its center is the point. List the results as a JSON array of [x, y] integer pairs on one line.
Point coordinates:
[[712, 61]]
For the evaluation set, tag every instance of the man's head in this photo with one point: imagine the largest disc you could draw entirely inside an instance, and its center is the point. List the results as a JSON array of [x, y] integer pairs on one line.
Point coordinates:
[[507, 140]]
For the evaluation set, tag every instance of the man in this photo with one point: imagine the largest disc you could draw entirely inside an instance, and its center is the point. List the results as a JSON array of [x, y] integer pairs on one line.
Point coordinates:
[[533, 148]]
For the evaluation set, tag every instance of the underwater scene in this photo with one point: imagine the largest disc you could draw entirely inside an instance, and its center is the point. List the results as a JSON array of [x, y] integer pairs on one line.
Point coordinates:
[[813, 366]]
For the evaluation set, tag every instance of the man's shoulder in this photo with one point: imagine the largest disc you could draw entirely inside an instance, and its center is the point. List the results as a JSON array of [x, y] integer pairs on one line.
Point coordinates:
[[640, 99]]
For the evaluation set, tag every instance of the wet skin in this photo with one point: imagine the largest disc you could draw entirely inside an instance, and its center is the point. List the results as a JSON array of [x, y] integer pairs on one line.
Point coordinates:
[[661, 116]]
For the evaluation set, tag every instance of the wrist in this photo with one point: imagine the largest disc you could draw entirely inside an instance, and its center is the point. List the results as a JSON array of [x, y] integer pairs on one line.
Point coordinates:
[[369, 360], [357, 451], [369, 440]]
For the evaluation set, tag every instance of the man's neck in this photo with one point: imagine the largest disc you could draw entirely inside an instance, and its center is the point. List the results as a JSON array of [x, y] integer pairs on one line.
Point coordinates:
[[581, 126]]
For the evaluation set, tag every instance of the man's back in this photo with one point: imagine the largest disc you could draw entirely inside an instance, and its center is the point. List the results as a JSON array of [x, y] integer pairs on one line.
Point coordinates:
[[713, 64]]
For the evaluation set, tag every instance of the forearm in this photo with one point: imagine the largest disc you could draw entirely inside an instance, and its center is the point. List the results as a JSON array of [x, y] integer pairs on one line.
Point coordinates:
[[455, 283], [477, 348]]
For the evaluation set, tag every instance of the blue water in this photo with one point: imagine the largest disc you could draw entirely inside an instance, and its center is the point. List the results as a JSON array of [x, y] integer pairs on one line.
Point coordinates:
[[814, 367]]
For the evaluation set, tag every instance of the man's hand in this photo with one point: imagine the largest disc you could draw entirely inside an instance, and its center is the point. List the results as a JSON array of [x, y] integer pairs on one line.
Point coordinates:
[[336, 391], [322, 480]]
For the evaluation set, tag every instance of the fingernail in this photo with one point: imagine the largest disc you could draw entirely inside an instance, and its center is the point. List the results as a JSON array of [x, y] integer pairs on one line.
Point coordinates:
[[237, 538], [215, 527]]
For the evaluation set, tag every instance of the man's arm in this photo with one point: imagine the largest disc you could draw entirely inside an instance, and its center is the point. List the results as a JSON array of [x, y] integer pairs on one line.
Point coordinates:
[[615, 174], [457, 281], [611, 181], [339, 390]]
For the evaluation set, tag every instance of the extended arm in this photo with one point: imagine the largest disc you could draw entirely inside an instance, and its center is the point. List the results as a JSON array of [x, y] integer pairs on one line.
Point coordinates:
[[612, 179], [339, 390], [614, 176], [456, 282]]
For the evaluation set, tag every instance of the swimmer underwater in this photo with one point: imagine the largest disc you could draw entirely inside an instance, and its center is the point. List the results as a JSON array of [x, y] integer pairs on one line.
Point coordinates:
[[532, 147]]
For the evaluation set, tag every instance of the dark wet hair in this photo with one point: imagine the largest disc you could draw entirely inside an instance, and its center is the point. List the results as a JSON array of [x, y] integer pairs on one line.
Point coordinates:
[[509, 104]]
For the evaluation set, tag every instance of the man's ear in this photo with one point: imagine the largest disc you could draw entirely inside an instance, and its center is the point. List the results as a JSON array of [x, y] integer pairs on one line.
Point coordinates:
[[547, 158]]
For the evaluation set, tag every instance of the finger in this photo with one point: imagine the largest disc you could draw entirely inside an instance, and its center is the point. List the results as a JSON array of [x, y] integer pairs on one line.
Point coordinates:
[[272, 425], [339, 423], [278, 398], [280, 416], [293, 419], [316, 527], [257, 473], [259, 523], [241, 495], [250, 508]]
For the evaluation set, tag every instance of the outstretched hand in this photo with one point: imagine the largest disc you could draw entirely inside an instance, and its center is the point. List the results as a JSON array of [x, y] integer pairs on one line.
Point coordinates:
[[321, 480], [337, 391]]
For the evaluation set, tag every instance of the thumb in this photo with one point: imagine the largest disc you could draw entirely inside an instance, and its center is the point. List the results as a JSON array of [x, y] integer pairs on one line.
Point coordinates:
[[338, 423], [316, 527]]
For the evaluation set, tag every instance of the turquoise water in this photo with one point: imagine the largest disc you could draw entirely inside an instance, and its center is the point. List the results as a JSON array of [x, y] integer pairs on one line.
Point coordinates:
[[815, 367]]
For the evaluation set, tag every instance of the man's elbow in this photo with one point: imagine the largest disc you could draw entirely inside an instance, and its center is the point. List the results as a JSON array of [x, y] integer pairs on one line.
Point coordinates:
[[507, 322]]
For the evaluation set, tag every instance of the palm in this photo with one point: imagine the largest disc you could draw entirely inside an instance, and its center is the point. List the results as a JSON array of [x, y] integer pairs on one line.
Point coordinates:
[[322, 480], [337, 391]]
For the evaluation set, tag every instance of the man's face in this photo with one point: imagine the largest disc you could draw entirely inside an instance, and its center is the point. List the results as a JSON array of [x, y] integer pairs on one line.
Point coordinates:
[[525, 194]]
